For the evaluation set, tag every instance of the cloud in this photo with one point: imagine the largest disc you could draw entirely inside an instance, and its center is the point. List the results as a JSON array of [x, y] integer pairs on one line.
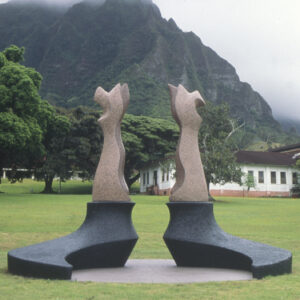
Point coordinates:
[[57, 3], [259, 38], [65, 3]]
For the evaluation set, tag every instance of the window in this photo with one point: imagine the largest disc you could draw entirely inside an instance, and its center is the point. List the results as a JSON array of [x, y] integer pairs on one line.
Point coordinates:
[[261, 177], [144, 178], [147, 177], [282, 177], [273, 177], [168, 175], [163, 176], [295, 178], [155, 178]]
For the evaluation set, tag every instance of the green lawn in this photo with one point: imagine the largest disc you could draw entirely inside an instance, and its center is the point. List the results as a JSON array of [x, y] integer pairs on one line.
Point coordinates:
[[27, 218]]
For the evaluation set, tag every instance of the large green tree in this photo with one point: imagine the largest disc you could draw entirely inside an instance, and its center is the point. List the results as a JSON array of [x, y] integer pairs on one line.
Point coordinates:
[[84, 142], [146, 139], [32, 132], [20, 132], [56, 162], [217, 145]]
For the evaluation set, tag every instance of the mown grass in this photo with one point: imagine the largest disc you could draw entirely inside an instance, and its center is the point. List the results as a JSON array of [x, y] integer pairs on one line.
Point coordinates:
[[30, 218], [29, 186]]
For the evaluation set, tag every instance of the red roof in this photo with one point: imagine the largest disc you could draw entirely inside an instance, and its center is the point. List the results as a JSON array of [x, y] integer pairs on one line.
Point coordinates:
[[265, 158]]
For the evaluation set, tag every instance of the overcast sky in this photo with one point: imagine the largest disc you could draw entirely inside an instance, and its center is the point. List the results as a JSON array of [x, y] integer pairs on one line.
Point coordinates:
[[260, 38]]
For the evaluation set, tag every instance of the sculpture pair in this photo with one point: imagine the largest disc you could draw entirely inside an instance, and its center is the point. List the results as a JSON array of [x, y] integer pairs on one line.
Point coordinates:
[[109, 182], [107, 236]]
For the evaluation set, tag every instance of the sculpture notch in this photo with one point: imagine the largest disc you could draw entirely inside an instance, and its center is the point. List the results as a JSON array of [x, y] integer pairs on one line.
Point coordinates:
[[109, 182], [190, 179]]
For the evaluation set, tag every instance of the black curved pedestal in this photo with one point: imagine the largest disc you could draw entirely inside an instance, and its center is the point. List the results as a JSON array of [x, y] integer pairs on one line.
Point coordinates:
[[195, 240], [104, 240]]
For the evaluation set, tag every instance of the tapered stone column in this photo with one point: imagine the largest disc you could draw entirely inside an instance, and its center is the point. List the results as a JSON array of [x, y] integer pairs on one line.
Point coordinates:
[[109, 182], [190, 179]]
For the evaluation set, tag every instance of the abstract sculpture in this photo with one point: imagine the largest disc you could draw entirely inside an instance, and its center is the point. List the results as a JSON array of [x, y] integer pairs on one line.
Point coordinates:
[[190, 180], [107, 236], [110, 172], [193, 236]]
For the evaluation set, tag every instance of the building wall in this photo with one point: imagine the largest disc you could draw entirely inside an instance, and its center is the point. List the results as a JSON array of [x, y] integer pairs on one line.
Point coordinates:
[[231, 189], [261, 189], [163, 186]]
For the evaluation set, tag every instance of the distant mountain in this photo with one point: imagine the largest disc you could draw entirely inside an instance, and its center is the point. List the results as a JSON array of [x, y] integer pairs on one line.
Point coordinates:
[[289, 125], [89, 44]]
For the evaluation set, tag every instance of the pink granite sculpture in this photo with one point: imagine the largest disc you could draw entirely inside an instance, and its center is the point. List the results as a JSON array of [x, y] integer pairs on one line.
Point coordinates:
[[109, 182], [190, 179]]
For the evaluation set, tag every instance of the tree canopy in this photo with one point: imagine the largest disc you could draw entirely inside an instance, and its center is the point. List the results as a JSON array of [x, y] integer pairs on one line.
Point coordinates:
[[21, 134], [56, 128], [216, 145], [31, 131], [146, 139], [36, 135]]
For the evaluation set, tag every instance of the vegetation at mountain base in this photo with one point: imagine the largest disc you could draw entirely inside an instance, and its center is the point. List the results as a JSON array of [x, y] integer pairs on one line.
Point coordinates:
[[88, 44], [64, 141]]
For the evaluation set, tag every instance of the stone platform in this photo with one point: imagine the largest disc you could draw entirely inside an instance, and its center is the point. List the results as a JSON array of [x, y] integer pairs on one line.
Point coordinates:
[[158, 271]]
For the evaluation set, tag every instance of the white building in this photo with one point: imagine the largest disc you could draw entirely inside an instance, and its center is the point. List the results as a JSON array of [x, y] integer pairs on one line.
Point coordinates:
[[157, 178], [274, 174]]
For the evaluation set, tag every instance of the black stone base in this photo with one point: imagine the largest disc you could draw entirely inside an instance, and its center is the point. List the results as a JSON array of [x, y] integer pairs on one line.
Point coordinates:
[[195, 240], [104, 240]]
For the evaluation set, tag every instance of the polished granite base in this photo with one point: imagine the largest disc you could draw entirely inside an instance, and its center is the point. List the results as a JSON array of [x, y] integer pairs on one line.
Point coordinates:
[[104, 240], [195, 240]]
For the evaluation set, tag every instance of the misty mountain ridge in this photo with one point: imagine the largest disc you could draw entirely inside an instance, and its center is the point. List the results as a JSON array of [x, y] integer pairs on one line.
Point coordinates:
[[67, 3], [289, 125], [85, 46]]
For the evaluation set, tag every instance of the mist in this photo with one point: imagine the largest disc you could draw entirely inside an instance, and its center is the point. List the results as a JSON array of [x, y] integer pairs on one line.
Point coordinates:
[[64, 3], [259, 38], [54, 3]]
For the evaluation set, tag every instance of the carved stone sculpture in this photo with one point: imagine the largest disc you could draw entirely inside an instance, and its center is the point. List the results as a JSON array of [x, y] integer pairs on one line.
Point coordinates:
[[193, 235], [109, 182], [107, 236], [190, 179]]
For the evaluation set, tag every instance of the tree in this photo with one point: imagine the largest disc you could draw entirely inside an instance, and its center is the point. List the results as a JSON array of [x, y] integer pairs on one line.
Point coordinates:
[[296, 189], [146, 139], [20, 132], [14, 53], [249, 181], [32, 132], [84, 142], [216, 146], [56, 162]]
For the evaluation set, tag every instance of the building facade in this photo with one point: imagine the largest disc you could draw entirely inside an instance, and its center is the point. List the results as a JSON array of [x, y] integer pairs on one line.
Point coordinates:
[[273, 173], [157, 179]]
